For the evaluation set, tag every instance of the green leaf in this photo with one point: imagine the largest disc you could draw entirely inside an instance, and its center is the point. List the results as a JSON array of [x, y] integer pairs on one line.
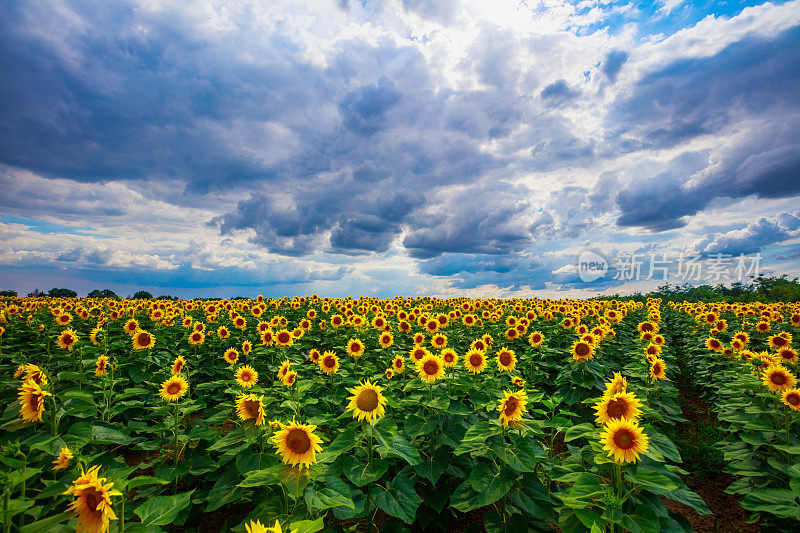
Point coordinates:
[[361, 473], [335, 493], [433, 466], [398, 499], [402, 448], [260, 478], [519, 455], [162, 510], [475, 438], [144, 480], [345, 441], [581, 430], [45, 523], [307, 526], [110, 435]]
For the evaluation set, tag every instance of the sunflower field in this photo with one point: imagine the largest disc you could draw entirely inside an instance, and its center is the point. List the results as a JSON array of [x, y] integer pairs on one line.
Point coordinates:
[[318, 414]]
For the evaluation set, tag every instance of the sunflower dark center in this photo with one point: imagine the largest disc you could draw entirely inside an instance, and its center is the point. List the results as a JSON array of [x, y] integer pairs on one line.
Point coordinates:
[[475, 360], [617, 408], [779, 341], [67, 339], [93, 499], [367, 400], [283, 337], [251, 407], [511, 406], [582, 349], [793, 399], [505, 358], [246, 376], [143, 339], [356, 347], [536, 338], [297, 440], [657, 368], [624, 439], [173, 388], [430, 368], [329, 362], [778, 378], [448, 357]]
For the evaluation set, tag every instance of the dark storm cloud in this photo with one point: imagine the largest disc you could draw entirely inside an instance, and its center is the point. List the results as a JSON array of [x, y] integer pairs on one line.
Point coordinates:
[[364, 109], [753, 82]]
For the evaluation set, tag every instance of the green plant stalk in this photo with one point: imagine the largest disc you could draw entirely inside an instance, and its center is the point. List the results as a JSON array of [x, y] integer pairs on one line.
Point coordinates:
[[122, 515], [175, 459], [6, 505]]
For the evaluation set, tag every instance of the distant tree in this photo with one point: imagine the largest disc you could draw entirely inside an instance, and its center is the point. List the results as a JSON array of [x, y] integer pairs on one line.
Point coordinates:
[[165, 297], [61, 293], [105, 293], [142, 295], [36, 293], [8, 292]]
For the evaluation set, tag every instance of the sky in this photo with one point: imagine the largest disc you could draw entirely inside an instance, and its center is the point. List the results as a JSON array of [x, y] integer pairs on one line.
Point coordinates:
[[398, 147]]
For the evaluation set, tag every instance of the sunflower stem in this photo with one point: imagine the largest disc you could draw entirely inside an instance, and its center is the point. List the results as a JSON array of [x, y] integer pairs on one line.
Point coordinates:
[[175, 459], [122, 515]]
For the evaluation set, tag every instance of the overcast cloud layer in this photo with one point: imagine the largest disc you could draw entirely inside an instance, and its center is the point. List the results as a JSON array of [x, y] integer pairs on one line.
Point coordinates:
[[395, 147]]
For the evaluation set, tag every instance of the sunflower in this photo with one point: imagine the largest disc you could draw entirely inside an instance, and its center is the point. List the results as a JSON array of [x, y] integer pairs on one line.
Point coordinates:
[[93, 501], [439, 341], [231, 356], [329, 363], [777, 378], [367, 402], [247, 347], [763, 326], [658, 369], [511, 407], [398, 363], [518, 381], [174, 388], [36, 374], [389, 373], [742, 336], [197, 337], [506, 360], [475, 361], [616, 385], [788, 355], [94, 336], [131, 326], [417, 353], [653, 349], [620, 405], [143, 340], [582, 351], [449, 356], [31, 401], [64, 459], [297, 444], [286, 365], [284, 338], [21, 369], [355, 347], [102, 365], [246, 376], [314, 356], [791, 398], [776, 342], [177, 365], [430, 369], [385, 339], [267, 337], [624, 440], [290, 378], [535, 339], [67, 339], [258, 527], [250, 407], [239, 322]]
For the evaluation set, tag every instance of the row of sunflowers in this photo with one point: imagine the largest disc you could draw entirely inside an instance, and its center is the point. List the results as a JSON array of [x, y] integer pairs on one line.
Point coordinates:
[[304, 414]]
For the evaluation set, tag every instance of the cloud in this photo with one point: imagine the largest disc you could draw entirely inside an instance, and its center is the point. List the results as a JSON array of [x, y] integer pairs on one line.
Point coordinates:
[[753, 237], [613, 63], [558, 92]]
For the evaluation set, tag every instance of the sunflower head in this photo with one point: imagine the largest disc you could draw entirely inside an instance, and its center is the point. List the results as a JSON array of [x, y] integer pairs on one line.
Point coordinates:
[[624, 440], [246, 376], [31, 401], [289, 378], [430, 368], [284, 338], [142, 340], [297, 444], [174, 388], [355, 347], [231, 356], [92, 502], [791, 398], [67, 339], [777, 378], [102, 365], [196, 338], [177, 365], [329, 363], [618, 405], [64, 459], [475, 361], [658, 369], [582, 351], [616, 384], [449, 356], [250, 407], [367, 402], [506, 360], [512, 406]]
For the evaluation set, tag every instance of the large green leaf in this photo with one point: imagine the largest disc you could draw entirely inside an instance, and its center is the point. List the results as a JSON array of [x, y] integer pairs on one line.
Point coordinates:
[[162, 510], [361, 473], [398, 499]]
